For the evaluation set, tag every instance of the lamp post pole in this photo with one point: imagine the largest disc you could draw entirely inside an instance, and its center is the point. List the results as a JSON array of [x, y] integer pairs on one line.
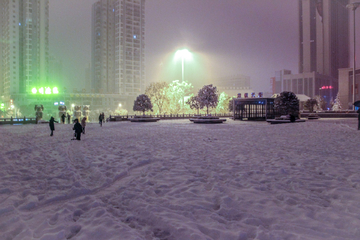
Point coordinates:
[[182, 68], [353, 6]]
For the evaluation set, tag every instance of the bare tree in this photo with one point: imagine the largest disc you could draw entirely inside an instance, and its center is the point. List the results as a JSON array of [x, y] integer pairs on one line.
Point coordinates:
[[157, 93]]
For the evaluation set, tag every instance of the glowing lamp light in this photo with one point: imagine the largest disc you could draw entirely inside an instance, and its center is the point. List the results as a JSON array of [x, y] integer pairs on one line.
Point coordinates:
[[47, 90], [55, 90], [41, 90], [183, 54], [34, 90]]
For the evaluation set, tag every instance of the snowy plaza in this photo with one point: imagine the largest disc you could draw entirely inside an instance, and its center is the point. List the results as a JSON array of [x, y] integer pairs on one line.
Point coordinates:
[[177, 180]]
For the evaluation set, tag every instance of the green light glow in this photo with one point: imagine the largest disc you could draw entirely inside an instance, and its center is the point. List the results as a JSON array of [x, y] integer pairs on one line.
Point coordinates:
[[47, 90]]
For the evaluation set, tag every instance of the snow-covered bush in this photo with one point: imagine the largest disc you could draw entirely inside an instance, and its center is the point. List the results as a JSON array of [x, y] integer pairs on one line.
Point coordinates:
[[142, 104], [310, 104], [287, 104], [208, 97], [337, 104]]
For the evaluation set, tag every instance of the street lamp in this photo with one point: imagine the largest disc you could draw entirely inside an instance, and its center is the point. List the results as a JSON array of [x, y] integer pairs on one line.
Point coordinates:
[[183, 54], [353, 6]]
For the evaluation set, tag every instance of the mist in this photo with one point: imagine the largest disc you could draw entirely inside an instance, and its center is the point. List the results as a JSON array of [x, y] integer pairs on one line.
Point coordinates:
[[228, 37]]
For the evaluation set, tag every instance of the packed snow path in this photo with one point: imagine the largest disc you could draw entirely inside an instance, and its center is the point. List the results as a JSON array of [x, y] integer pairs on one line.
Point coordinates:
[[178, 180]]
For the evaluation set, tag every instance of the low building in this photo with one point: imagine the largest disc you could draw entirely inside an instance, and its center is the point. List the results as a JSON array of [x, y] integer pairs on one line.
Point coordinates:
[[346, 87], [310, 84]]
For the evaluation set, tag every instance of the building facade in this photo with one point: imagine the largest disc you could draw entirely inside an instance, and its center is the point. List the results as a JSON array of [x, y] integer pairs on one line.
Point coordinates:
[[346, 87], [118, 47], [323, 49], [24, 47], [324, 36], [234, 85]]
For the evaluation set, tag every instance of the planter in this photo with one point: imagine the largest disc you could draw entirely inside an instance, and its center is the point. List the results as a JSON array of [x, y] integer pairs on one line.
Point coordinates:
[[207, 119], [144, 119]]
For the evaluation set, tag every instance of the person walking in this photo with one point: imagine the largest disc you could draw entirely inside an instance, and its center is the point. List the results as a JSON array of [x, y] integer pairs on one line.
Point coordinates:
[[78, 129], [52, 126], [100, 120], [103, 117], [83, 124], [68, 117], [358, 111], [63, 118]]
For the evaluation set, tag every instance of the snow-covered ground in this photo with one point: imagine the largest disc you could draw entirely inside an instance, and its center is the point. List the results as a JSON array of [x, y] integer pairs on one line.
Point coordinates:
[[178, 180]]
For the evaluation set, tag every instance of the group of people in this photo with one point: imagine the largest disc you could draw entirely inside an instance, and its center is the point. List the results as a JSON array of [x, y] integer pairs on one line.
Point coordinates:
[[78, 127], [63, 118]]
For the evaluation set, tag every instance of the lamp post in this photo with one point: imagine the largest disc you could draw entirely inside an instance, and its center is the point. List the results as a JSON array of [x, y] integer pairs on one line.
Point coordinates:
[[183, 54], [353, 6]]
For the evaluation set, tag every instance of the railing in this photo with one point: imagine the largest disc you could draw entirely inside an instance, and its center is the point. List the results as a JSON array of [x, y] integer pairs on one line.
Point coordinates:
[[167, 116], [23, 120]]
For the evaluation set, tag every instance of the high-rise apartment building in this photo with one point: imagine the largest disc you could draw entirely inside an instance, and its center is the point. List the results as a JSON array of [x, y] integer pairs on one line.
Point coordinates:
[[118, 48], [24, 46], [324, 36]]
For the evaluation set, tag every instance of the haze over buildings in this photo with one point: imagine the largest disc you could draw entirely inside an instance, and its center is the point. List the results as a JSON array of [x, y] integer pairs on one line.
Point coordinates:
[[24, 46], [323, 48], [251, 38], [118, 47]]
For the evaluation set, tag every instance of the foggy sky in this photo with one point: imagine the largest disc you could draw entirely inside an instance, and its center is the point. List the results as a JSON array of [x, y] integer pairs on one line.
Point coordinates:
[[248, 37]]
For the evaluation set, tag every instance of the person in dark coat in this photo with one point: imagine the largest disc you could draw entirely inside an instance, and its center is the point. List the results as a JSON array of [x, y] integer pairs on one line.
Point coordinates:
[[63, 118], [83, 124], [68, 117], [52, 126], [78, 129], [358, 111], [100, 120]]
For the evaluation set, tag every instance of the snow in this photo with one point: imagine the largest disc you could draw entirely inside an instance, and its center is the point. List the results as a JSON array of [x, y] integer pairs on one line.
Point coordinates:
[[177, 180]]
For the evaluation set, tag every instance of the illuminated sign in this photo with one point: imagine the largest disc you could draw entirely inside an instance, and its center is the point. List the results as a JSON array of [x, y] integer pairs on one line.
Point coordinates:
[[327, 87], [45, 90]]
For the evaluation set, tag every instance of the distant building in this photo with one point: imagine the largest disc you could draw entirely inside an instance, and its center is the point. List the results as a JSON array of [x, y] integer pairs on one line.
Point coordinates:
[[324, 36], [324, 48], [233, 85], [24, 47], [56, 76], [118, 47], [310, 84], [346, 87]]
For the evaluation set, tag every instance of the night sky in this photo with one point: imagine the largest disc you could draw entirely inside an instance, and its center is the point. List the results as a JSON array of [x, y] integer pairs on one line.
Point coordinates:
[[228, 37]]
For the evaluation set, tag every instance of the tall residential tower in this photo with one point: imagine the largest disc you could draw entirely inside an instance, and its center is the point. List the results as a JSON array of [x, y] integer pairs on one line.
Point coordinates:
[[24, 46], [118, 48]]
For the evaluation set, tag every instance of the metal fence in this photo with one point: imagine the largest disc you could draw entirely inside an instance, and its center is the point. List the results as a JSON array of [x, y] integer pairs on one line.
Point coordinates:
[[11, 120]]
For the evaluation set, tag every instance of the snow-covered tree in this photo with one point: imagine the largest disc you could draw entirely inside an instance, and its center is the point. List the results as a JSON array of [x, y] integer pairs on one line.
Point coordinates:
[[321, 103], [157, 92], [287, 103], [194, 103], [223, 104], [176, 93], [337, 104], [208, 97], [142, 104], [310, 104]]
